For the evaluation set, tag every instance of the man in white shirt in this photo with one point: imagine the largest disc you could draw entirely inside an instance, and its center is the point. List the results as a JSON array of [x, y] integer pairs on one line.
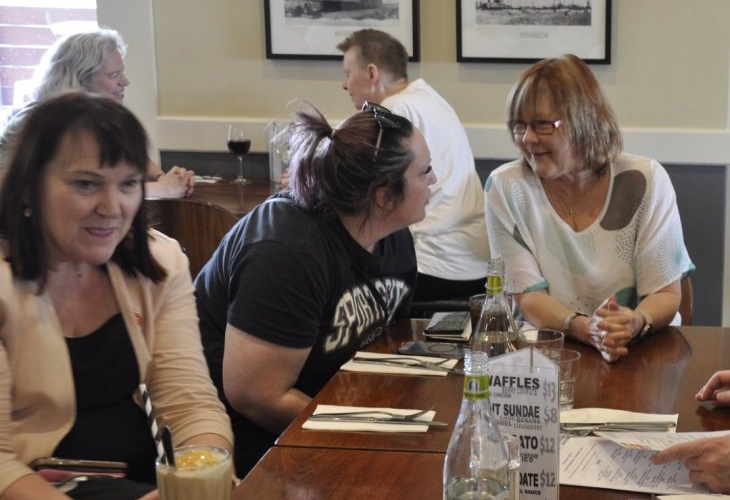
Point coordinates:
[[451, 242]]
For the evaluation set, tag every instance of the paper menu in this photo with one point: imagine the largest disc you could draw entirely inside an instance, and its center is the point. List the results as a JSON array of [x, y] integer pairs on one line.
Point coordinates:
[[622, 461], [655, 441]]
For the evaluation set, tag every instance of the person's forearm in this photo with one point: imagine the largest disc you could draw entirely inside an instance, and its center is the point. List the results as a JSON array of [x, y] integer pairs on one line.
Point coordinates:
[[276, 416], [542, 310], [660, 308]]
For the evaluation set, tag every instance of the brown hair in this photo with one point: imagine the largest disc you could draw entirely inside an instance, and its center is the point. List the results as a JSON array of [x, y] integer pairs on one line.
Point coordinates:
[[120, 136], [574, 93], [338, 170], [379, 48]]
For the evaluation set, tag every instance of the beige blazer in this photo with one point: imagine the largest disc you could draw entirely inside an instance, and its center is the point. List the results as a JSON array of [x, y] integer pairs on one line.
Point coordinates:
[[37, 397]]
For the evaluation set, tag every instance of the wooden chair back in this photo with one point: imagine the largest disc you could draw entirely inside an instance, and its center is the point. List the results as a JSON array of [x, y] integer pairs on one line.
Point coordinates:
[[197, 226], [686, 306]]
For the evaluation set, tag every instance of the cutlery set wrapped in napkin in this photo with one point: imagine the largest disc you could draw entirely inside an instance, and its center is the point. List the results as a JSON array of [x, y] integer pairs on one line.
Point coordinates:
[[578, 429], [358, 418], [584, 421], [374, 362]]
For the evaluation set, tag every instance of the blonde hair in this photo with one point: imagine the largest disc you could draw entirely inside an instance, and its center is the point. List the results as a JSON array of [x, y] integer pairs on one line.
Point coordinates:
[[574, 93]]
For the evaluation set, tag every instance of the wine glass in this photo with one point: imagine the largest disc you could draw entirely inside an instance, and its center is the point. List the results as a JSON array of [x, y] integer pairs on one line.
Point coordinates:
[[239, 145]]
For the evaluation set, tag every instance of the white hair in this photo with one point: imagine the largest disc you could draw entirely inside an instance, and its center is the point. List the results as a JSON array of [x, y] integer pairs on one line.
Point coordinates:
[[72, 61]]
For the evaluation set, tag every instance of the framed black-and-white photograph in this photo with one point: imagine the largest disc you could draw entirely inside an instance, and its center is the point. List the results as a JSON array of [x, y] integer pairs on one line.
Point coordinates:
[[525, 31], [305, 29]]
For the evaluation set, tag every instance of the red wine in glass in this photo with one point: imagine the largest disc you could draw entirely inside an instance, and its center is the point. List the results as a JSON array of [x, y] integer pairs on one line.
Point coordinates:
[[239, 145], [239, 148]]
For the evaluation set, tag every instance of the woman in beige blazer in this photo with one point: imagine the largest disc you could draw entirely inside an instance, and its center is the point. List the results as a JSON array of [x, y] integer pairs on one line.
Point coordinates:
[[92, 304]]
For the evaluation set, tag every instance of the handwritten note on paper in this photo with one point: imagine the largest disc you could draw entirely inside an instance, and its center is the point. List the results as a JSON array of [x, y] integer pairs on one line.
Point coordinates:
[[622, 461]]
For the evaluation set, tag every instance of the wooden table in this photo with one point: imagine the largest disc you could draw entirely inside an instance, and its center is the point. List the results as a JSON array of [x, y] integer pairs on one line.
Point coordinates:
[[233, 197], [337, 474], [395, 391], [661, 375]]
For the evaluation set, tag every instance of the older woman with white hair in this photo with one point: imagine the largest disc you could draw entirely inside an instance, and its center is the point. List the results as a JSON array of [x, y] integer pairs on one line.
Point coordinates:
[[94, 61]]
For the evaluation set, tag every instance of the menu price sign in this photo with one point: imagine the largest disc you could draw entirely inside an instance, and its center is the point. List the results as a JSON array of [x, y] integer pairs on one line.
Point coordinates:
[[524, 397]]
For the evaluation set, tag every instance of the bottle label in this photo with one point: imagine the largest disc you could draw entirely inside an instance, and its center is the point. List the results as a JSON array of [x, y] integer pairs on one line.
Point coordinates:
[[476, 387], [494, 284]]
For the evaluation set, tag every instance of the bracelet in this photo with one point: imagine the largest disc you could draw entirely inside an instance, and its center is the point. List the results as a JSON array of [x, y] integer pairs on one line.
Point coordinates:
[[569, 320], [647, 328]]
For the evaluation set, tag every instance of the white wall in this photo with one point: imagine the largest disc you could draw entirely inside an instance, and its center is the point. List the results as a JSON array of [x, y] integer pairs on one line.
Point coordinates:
[[670, 84], [196, 66], [134, 20]]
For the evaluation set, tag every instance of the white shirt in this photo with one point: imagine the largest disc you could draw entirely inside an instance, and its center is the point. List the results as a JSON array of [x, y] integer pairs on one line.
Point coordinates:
[[451, 242]]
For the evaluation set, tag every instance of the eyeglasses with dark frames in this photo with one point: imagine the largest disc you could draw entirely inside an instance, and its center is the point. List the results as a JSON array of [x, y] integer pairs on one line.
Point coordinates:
[[540, 127], [385, 120]]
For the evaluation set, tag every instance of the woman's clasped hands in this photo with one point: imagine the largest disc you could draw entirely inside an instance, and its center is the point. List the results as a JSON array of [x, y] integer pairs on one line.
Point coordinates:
[[178, 182], [612, 328]]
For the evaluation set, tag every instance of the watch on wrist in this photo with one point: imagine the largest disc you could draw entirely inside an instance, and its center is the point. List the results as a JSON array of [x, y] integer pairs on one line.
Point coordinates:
[[569, 320]]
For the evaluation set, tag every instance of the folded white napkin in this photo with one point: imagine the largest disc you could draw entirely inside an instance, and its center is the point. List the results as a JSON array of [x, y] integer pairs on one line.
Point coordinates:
[[207, 179], [354, 366], [319, 425], [601, 415]]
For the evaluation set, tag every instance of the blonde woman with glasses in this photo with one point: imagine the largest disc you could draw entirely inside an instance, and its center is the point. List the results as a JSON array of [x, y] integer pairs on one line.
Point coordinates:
[[590, 235]]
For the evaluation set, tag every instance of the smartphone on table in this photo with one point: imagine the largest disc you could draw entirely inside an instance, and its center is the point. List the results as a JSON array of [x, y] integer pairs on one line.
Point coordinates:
[[434, 348], [54, 469]]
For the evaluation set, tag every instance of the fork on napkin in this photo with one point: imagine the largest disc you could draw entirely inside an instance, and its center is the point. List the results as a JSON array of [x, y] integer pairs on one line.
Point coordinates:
[[378, 423], [388, 366]]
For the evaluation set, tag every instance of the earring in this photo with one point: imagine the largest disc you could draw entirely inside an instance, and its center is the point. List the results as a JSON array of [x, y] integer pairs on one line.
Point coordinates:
[[27, 212]]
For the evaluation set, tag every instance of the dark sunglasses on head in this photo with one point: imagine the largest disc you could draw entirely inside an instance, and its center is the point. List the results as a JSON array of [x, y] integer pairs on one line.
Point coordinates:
[[385, 120]]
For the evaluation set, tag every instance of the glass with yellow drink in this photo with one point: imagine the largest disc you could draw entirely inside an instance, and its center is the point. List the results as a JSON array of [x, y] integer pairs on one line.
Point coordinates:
[[199, 472]]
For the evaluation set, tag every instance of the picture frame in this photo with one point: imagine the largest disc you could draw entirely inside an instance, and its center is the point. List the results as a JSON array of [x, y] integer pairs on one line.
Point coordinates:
[[303, 29], [526, 31]]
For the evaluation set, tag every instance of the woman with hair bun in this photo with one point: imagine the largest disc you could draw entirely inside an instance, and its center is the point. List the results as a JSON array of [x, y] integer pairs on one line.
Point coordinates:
[[314, 273]]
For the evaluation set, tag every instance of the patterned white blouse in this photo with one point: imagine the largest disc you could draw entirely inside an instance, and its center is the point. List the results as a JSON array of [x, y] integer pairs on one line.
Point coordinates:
[[634, 248]]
